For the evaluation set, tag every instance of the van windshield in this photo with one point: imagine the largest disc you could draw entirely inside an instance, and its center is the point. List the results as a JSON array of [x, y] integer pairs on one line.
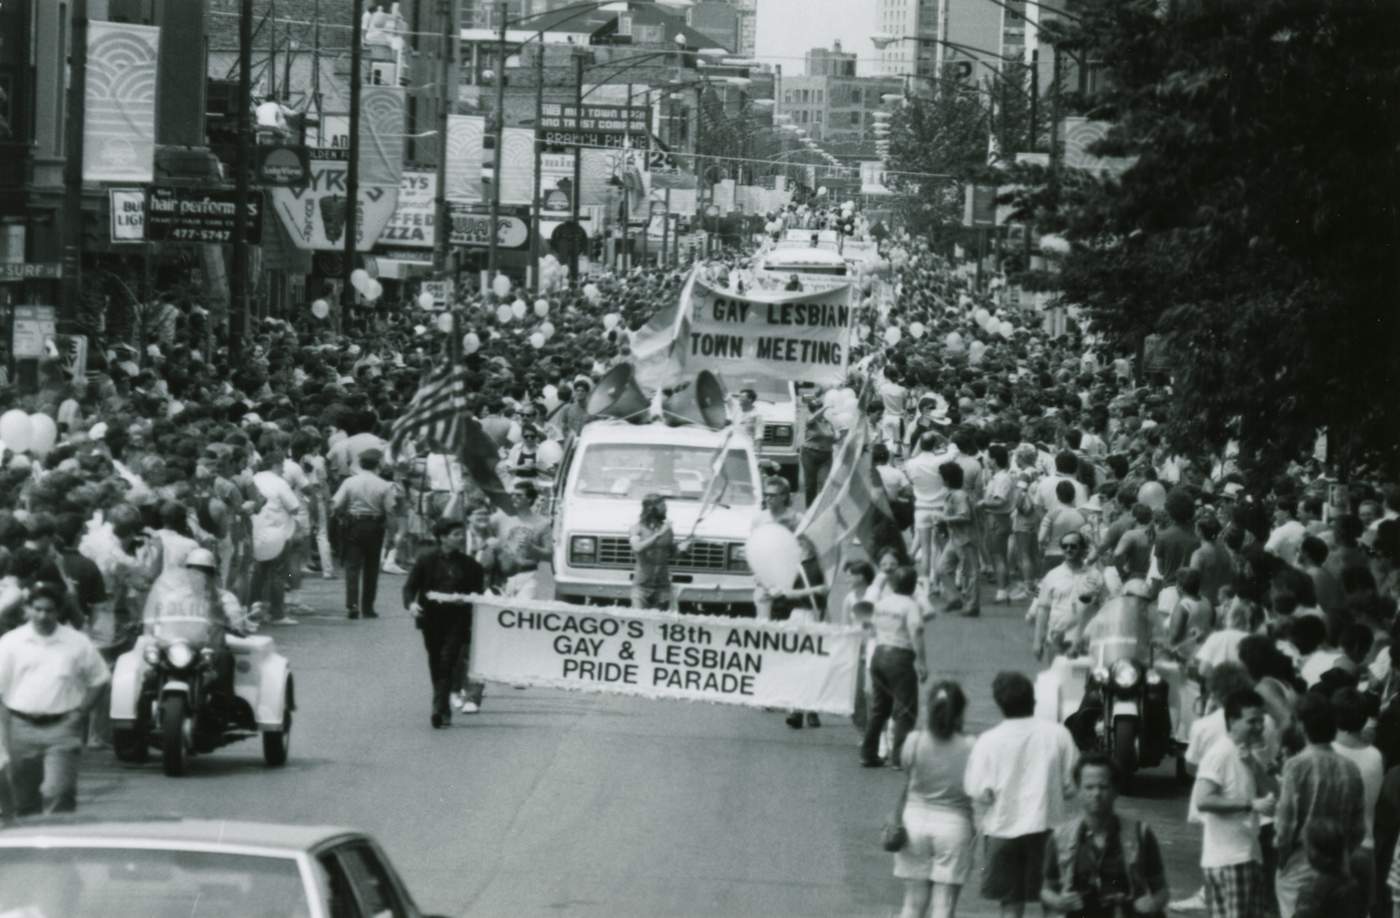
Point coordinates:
[[836, 270], [630, 471]]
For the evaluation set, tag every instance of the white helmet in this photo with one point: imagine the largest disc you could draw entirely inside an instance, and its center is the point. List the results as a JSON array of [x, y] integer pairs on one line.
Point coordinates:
[[203, 559]]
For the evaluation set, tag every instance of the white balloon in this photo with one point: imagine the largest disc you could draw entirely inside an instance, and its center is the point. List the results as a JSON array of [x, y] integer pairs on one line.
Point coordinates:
[[320, 308], [444, 323], [917, 330], [501, 285], [471, 343], [513, 436], [519, 309], [893, 335], [953, 341], [541, 308], [981, 315], [610, 321], [862, 332], [372, 290], [547, 329], [504, 314], [43, 434], [550, 394], [549, 454], [425, 300], [358, 278], [537, 341], [774, 555], [16, 430], [592, 293], [1006, 329]]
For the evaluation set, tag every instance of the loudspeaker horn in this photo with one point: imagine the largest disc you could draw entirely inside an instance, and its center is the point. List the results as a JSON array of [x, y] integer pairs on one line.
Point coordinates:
[[618, 395], [701, 402]]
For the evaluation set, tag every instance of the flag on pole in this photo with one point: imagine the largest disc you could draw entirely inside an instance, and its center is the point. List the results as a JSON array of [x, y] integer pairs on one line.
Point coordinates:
[[655, 356], [848, 505], [438, 415]]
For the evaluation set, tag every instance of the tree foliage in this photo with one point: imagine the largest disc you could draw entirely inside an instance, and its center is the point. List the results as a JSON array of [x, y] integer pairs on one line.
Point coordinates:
[[1258, 231]]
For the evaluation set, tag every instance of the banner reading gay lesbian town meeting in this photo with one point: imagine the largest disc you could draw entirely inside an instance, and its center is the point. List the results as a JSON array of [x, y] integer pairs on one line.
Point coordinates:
[[808, 667]]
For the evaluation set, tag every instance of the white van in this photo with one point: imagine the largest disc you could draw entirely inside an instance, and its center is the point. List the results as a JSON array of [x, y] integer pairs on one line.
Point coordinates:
[[611, 466]]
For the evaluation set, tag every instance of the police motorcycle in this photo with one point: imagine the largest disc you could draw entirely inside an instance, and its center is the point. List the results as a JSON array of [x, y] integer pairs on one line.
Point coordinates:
[[1117, 703], [198, 679]]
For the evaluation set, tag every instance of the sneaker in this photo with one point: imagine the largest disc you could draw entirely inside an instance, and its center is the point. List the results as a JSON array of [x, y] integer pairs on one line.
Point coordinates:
[[469, 707], [1002, 596], [1017, 594], [876, 762], [389, 567], [794, 720], [1192, 903], [352, 614], [284, 620], [371, 614], [813, 720], [458, 699]]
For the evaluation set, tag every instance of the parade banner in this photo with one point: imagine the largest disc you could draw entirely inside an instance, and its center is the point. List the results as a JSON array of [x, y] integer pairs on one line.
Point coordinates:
[[465, 150], [648, 654], [802, 337], [316, 213], [412, 224], [119, 109]]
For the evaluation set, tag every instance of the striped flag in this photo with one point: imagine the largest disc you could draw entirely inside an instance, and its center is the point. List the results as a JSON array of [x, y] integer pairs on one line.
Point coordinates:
[[438, 416], [655, 357], [848, 505]]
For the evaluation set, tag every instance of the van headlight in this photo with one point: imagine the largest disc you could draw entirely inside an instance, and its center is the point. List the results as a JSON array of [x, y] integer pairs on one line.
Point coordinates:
[[179, 655], [583, 548], [1125, 674], [738, 557]]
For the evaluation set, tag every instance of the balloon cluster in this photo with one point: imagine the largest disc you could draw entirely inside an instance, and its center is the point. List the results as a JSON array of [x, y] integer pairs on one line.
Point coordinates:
[[774, 556], [368, 287], [842, 407], [28, 433]]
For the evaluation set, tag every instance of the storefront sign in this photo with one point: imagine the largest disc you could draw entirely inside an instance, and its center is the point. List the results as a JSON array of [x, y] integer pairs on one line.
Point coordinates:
[[809, 667], [316, 214], [283, 165], [412, 223], [471, 226], [33, 326], [194, 215], [568, 118], [128, 206], [791, 336], [441, 291]]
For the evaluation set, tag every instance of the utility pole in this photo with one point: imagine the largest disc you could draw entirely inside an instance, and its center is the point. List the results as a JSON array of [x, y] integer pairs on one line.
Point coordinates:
[[536, 222], [238, 276], [352, 166], [1035, 97], [73, 164], [578, 161], [500, 113], [442, 216]]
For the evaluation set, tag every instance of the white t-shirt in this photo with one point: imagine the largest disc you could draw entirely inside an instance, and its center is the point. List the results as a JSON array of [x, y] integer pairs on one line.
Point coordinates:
[[1317, 663], [1368, 760], [1222, 646], [1229, 838], [1209, 730], [1286, 540]]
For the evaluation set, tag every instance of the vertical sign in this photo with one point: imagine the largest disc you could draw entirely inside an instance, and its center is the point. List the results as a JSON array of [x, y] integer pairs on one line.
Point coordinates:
[[119, 123]]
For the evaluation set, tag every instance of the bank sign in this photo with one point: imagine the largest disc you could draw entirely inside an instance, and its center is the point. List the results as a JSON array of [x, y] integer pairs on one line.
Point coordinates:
[[317, 215]]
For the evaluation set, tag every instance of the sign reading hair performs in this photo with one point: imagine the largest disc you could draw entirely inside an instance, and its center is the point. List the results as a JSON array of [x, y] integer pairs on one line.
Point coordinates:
[[795, 336], [809, 667]]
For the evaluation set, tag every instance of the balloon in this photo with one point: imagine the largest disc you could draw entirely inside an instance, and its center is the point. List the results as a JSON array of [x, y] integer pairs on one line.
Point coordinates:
[[917, 330], [549, 454], [547, 329], [893, 335], [981, 315], [504, 314], [320, 308], [610, 321], [501, 285], [774, 555], [16, 430], [953, 341], [425, 300], [519, 309], [541, 308], [537, 341], [358, 278], [372, 289], [862, 332], [1006, 329], [550, 394], [513, 435], [471, 343], [444, 323], [43, 434], [498, 429], [592, 293]]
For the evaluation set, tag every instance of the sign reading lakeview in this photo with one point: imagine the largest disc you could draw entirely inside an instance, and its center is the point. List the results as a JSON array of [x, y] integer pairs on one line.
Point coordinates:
[[792, 336], [665, 655]]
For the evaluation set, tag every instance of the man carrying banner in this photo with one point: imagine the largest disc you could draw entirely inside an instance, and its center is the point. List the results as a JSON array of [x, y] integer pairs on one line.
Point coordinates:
[[777, 508], [653, 548], [435, 593]]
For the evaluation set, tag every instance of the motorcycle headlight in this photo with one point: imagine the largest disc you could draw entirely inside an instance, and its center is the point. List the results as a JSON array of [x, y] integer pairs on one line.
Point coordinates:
[[1100, 675], [179, 655], [1125, 674], [151, 654]]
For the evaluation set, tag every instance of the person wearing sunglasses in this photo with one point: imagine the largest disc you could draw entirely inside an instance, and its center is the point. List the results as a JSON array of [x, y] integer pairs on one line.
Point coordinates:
[[1069, 596]]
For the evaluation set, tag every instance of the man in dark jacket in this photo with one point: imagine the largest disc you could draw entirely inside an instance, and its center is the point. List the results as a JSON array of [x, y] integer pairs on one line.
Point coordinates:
[[435, 593]]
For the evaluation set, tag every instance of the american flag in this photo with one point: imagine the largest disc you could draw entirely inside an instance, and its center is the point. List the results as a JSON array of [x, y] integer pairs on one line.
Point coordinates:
[[438, 416]]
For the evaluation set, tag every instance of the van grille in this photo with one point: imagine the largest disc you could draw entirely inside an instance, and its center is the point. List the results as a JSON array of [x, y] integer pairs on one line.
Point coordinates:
[[616, 552], [777, 435]]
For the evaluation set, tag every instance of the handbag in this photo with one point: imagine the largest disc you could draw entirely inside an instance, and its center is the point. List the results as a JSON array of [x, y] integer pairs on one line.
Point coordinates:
[[894, 836]]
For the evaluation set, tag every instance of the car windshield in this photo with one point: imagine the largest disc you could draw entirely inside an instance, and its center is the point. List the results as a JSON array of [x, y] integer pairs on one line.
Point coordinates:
[[141, 883], [631, 471]]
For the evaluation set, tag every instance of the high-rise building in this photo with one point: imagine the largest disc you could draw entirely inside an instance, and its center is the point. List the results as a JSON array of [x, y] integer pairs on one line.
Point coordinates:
[[907, 19], [833, 62], [837, 110]]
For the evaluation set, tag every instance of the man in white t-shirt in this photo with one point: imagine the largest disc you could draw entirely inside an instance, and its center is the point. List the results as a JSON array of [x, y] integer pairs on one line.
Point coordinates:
[[1286, 538], [1226, 795]]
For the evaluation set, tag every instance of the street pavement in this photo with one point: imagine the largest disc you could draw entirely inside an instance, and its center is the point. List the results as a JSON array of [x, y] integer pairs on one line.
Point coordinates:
[[557, 803]]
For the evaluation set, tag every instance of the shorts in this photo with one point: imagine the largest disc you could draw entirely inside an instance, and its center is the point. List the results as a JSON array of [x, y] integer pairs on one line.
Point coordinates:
[[940, 846], [924, 519], [1013, 868], [651, 598]]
